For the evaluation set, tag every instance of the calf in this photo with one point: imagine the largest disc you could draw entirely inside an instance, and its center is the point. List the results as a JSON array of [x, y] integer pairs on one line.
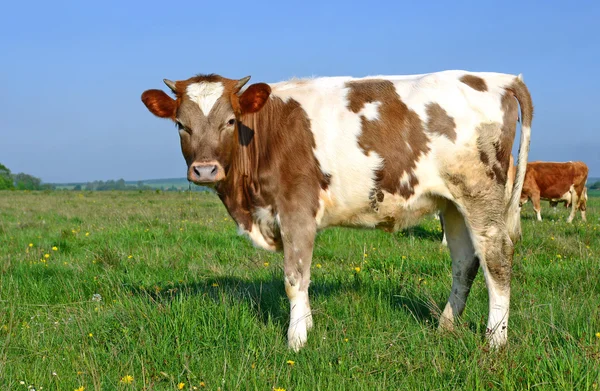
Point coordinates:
[[290, 158], [556, 182]]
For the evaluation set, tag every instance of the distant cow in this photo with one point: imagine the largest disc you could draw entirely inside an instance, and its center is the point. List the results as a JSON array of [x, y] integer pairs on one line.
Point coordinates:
[[556, 182], [291, 158]]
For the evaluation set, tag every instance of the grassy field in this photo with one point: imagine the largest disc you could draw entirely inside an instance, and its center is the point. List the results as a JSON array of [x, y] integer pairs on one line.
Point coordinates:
[[147, 291]]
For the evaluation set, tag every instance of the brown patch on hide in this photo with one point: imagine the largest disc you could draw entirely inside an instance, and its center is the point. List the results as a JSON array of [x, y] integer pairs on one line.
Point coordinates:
[[475, 82], [397, 136], [510, 108], [438, 121], [488, 140]]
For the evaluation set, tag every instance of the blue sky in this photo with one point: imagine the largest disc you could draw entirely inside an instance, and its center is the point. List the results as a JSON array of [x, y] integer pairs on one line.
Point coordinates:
[[72, 73]]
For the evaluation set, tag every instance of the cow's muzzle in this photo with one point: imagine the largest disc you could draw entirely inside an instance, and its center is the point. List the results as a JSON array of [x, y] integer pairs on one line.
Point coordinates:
[[206, 172]]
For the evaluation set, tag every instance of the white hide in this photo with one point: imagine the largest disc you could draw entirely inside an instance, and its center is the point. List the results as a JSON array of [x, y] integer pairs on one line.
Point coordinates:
[[205, 94]]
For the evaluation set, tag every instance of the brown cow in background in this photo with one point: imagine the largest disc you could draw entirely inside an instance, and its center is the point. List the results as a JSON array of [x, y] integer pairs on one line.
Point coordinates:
[[556, 182]]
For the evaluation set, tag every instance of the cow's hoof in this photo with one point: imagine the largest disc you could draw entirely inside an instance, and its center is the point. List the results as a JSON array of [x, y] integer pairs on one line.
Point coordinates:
[[297, 336], [445, 324], [309, 322], [497, 339]]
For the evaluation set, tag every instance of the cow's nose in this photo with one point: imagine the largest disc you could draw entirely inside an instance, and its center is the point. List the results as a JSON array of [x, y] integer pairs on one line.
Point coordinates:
[[204, 172]]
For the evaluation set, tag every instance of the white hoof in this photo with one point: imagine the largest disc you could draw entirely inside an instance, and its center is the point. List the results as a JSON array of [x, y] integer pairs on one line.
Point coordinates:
[[497, 339], [297, 335]]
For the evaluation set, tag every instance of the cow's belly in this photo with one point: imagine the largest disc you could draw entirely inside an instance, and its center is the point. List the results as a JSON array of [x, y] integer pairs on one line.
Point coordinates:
[[557, 194], [382, 210]]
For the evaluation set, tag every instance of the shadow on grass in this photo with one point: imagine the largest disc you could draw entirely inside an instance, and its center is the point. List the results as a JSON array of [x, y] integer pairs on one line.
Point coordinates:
[[421, 233], [267, 298]]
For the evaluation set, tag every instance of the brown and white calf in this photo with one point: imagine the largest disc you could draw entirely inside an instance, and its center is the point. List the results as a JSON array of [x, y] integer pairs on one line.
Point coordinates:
[[290, 158], [556, 182]]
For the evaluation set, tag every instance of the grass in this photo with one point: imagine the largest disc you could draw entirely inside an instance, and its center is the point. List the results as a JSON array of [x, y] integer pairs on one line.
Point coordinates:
[[159, 287]]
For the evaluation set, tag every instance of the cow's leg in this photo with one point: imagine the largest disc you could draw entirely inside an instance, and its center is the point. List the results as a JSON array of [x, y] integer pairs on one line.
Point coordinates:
[[537, 207], [495, 251], [298, 234], [485, 222], [464, 265], [583, 203], [444, 240], [497, 265], [574, 204]]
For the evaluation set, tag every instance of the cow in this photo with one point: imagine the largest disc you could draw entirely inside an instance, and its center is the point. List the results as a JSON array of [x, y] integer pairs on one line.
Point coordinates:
[[556, 182], [291, 158]]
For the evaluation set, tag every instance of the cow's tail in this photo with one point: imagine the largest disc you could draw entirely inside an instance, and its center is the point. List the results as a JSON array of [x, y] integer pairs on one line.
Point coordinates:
[[513, 213]]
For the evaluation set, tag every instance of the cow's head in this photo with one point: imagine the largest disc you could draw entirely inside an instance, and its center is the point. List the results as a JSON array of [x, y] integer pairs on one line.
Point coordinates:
[[206, 110]]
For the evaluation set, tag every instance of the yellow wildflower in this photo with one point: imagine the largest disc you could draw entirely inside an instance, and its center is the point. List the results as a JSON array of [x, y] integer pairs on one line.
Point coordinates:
[[278, 389], [215, 284], [357, 269], [266, 264], [180, 386], [127, 379], [54, 248], [46, 256], [30, 244], [290, 363], [345, 339], [129, 256], [202, 384], [318, 266], [82, 388], [598, 335], [90, 335], [87, 234]]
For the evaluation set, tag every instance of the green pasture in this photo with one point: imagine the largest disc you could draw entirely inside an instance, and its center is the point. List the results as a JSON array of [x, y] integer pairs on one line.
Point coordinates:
[[156, 291]]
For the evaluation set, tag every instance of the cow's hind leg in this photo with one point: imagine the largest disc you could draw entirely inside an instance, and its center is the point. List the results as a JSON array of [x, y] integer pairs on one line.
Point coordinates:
[[444, 241], [495, 251], [464, 265], [480, 236]]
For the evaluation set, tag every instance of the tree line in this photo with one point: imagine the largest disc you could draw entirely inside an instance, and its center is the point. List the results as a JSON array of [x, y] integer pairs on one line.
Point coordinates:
[[20, 181]]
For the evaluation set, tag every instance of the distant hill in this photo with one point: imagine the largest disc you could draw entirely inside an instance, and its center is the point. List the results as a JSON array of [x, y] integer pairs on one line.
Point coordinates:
[[159, 184]]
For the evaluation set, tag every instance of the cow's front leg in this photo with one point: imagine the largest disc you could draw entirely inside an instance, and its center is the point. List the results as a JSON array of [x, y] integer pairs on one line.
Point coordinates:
[[298, 234]]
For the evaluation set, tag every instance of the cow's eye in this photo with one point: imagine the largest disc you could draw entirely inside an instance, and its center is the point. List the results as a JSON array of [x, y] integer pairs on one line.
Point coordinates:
[[231, 122]]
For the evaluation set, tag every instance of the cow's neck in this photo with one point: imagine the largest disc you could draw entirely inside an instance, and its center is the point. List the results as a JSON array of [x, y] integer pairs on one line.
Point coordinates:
[[273, 167], [245, 189]]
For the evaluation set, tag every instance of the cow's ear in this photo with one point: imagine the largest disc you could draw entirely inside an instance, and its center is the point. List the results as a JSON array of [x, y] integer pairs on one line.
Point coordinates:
[[254, 98], [159, 103]]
